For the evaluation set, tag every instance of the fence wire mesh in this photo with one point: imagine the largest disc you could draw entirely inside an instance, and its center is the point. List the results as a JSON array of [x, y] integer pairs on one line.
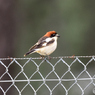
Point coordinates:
[[68, 75]]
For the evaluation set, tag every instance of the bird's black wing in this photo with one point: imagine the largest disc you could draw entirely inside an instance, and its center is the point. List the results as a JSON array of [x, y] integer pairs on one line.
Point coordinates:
[[39, 44]]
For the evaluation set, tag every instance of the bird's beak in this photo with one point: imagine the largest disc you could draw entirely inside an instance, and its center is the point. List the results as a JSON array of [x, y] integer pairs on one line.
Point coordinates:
[[58, 35]]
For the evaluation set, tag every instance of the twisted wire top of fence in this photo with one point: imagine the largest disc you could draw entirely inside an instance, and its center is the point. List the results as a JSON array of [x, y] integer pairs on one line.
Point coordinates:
[[51, 57]]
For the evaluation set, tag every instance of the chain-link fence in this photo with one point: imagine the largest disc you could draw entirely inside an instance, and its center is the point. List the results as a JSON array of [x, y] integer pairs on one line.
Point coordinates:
[[68, 75]]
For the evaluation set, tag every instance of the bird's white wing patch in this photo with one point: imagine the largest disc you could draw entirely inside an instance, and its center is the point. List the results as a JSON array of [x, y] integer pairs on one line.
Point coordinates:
[[48, 39]]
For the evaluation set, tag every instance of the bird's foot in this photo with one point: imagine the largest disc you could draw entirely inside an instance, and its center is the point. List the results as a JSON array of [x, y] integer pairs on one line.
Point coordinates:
[[42, 57], [47, 57]]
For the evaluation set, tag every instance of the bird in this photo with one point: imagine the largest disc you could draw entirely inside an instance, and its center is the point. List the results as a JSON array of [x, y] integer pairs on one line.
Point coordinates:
[[45, 45]]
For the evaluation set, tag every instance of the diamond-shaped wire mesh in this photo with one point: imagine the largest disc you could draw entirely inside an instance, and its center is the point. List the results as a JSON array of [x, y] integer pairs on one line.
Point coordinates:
[[56, 76]]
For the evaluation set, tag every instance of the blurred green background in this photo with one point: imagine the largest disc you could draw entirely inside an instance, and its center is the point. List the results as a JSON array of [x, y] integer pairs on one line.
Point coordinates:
[[23, 22]]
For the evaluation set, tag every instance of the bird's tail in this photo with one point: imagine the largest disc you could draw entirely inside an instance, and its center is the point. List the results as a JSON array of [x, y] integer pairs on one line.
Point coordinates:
[[29, 52]]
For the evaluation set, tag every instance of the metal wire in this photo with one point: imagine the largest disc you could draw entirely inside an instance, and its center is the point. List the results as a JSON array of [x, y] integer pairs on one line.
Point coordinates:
[[73, 56], [54, 78]]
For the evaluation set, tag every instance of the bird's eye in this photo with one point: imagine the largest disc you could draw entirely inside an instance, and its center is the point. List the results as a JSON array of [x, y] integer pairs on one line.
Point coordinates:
[[52, 35]]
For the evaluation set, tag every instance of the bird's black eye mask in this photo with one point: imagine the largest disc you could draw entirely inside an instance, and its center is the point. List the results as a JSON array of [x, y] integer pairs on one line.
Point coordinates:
[[52, 35]]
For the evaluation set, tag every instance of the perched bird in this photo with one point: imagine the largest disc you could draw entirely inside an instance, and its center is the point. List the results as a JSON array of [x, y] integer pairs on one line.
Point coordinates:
[[45, 45]]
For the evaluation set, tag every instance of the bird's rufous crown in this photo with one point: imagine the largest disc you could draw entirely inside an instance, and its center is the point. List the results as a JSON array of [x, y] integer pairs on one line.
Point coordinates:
[[48, 34]]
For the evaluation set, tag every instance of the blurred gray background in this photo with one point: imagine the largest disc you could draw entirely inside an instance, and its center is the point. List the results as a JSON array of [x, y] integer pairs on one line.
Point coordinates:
[[23, 22]]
